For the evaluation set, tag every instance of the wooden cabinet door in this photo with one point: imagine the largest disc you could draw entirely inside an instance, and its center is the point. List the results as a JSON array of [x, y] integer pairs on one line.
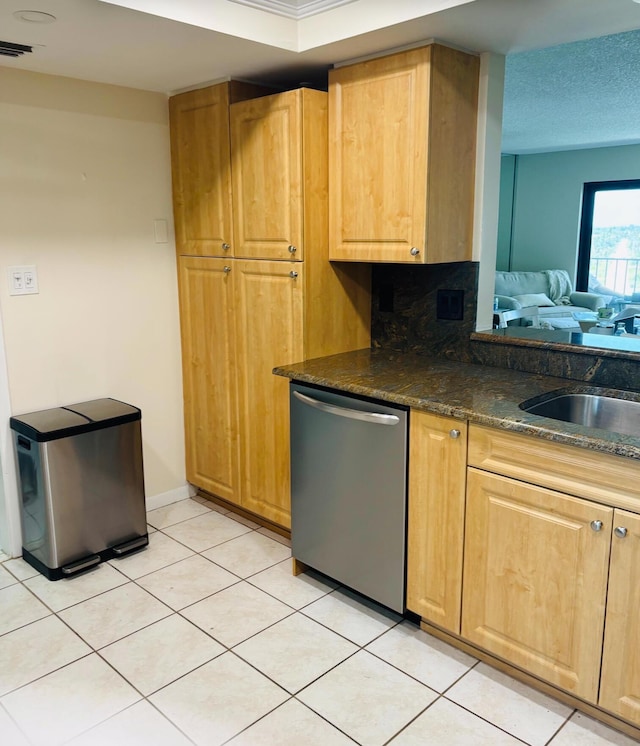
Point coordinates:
[[269, 324], [620, 683], [201, 171], [437, 477], [378, 157], [209, 376], [266, 143], [535, 579], [402, 151]]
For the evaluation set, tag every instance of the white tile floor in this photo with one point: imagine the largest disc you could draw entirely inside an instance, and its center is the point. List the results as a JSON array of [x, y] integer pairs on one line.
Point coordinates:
[[207, 638]]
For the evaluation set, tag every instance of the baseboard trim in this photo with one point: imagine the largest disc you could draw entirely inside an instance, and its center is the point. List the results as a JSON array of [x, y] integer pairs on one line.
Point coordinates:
[[265, 522], [172, 496]]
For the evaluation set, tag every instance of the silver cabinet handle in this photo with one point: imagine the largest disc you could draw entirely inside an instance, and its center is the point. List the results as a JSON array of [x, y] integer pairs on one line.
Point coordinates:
[[454, 434], [292, 249], [414, 251], [596, 525], [293, 275], [352, 414], [620, 532], [226, 269], [226, 246]]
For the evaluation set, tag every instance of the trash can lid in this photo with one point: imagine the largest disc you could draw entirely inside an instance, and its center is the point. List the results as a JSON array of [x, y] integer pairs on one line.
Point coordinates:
[[48, 424], [74, 419], [106, 410]]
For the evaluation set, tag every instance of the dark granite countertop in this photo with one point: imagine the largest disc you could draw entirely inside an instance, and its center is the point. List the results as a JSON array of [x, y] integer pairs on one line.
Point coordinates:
[[568, 340], [482, 394]]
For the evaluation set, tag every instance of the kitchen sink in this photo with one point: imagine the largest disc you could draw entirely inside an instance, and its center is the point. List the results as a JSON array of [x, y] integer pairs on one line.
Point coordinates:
[[608, 412]]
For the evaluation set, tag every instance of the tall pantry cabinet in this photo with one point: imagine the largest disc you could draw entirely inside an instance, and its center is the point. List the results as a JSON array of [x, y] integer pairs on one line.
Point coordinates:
[[256, 287]]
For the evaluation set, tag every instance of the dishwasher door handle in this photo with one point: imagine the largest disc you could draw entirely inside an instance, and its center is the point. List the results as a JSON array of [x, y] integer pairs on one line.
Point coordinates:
[[353, 414]]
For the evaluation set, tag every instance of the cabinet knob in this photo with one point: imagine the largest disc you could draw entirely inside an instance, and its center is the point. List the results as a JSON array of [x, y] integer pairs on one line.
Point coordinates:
[[226, 246], [293, 275], [226, 269], [414, 251], [454, 434], [292, 249], [620, 532], [596, 525]]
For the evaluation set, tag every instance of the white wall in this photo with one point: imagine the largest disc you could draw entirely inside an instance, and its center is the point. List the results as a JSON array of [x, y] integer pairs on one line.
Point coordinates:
[[548, 200], [485, 223], [85, 172]]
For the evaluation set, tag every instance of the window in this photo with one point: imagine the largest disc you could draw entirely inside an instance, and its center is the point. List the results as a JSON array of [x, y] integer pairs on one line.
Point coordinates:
[[609, 243]]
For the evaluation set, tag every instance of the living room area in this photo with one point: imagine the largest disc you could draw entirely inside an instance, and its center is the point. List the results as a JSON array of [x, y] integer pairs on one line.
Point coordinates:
[[568, 253]]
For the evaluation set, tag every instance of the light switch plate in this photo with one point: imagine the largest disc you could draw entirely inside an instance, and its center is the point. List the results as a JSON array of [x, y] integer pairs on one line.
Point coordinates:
[[160, 231], [23, 280]]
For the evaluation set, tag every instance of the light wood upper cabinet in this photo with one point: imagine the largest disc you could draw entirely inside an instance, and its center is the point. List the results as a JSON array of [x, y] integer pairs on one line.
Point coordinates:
[[267, 140], [620, 683], [535, 579], [269, 329], [201, 167], [402, 137], [209, 375], [437, 477]]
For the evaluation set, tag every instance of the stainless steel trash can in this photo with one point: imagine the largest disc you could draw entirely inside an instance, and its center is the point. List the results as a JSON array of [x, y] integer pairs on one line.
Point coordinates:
[[81, 485]]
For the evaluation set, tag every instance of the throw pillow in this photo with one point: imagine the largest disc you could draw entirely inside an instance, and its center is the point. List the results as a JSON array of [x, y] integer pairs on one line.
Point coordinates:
[[534, 299]]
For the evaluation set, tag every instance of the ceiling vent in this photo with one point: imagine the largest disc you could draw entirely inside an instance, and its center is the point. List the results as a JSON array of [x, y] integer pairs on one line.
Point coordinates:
[[9, 49]]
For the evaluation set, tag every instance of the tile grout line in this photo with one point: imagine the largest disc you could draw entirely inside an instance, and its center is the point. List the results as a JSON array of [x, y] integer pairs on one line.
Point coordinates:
[[561, 727], [177, 613], [294, 610], [231, 650]]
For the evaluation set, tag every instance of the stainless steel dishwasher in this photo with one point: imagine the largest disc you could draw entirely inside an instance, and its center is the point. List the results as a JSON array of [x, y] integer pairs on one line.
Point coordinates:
[[348, 490]]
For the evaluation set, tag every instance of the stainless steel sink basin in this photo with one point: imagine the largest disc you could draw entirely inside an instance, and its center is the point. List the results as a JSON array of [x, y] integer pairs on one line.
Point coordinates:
[[611, 413]]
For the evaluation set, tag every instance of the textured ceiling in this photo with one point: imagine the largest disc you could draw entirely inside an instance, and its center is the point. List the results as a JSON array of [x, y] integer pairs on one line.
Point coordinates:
[[579, 95]]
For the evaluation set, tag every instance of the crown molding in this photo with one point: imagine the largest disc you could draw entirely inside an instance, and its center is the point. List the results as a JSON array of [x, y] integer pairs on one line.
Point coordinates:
[[296, 9]]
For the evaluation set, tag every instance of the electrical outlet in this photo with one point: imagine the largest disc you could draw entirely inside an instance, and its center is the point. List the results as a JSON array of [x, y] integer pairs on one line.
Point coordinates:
[[450, 305], [385, 298], [23, 280]]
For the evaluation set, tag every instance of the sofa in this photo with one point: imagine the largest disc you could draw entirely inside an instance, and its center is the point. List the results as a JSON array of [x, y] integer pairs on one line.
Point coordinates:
[[550, 290]]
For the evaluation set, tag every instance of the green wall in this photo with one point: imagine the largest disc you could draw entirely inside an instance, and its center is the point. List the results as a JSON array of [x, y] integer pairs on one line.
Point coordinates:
[[547, 199], [505, 214]]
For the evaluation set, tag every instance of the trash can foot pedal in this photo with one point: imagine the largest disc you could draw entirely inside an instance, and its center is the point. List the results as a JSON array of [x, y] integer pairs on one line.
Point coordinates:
[[130, 546], [80, 565]]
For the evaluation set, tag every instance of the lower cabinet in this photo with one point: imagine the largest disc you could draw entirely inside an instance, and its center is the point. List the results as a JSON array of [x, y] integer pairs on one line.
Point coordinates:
[[620, 682], [435, 535], [536, 562], [535, 579], [209, 375], [240, 318], [269, 331]]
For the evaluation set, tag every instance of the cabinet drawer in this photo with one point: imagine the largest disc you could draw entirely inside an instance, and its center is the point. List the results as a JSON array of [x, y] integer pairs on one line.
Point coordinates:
[[613, 480]]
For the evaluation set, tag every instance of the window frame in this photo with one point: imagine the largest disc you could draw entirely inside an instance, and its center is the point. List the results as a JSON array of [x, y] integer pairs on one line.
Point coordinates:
[[589, 191]]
